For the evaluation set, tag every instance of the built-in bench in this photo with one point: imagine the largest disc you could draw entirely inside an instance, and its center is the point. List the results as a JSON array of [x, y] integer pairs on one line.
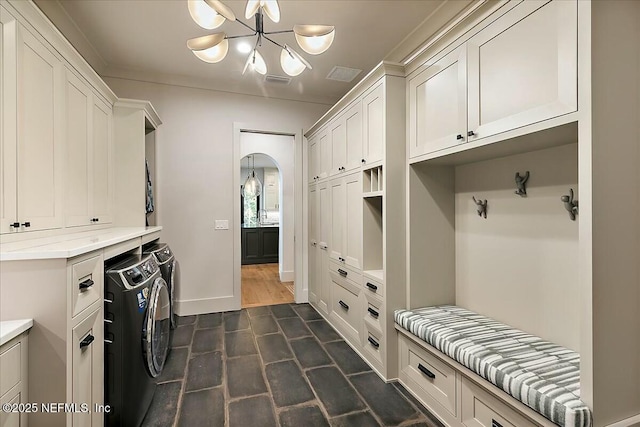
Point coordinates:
[[542, 375]]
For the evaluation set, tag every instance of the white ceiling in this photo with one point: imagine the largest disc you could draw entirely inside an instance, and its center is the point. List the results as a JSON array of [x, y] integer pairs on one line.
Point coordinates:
[[146, 40]]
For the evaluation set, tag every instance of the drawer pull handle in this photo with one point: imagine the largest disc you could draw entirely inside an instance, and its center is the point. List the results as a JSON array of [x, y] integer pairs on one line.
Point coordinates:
[[373, 342], [494, 423], [372, 286], [86, 284], [373, 312], [87, 341], [344, 305], [426, 371], [342, 272]]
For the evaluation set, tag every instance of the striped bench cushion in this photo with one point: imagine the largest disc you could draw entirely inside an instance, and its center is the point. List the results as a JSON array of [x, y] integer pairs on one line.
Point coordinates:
[[542, 375]]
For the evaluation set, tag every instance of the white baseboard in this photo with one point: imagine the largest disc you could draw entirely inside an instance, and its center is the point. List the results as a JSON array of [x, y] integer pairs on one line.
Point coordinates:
[[287, 276], [302, 297], [629, 422], [206, 305]]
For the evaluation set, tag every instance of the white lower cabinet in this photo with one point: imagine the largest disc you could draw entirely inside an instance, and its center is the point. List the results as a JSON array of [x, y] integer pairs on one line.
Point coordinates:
[[13, 380], [480, 409], [87, 369]]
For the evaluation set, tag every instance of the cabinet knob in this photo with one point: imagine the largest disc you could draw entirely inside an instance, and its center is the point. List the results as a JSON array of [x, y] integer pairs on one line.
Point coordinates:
[[470, 133], [26, 224], [459, 137], [363, 161], [15, 225]]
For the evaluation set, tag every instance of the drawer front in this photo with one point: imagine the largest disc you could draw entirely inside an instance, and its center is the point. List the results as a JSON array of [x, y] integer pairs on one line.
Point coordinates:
[[481, 409], [87, 361], [373, 346], [373, 287], [13, 419], [10, 367], [429, 375], [346, 308], [346, 272], [373, 315], [86, 283]]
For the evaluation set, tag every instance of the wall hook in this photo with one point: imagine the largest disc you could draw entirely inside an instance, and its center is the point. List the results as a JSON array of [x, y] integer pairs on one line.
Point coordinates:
[[570, 205], [481, 206], [521, 182]]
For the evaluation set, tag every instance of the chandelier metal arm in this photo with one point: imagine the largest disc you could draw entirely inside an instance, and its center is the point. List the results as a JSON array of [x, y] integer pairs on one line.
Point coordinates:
[[272, 41], [239, 37], [278, 32], [242, 23]]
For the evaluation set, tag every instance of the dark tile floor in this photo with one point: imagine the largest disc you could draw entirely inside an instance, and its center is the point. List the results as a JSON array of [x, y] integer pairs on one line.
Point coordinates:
[[281, 365]]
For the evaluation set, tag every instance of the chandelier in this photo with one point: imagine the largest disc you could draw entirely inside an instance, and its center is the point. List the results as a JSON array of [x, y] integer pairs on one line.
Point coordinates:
[[211, 14]]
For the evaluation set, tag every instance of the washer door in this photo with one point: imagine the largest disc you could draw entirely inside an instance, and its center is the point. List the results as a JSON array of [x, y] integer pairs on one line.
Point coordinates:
[[175, 280], [157, 327]]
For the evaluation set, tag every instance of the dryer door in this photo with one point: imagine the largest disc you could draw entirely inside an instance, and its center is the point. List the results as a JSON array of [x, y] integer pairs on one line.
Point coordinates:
[[157, 327], [175, 282]]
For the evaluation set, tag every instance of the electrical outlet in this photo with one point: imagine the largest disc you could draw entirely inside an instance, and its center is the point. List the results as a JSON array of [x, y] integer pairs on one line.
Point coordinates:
[[222, 224]]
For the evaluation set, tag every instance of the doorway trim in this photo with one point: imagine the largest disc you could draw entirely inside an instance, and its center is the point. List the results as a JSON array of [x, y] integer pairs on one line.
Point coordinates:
[[300, 290]]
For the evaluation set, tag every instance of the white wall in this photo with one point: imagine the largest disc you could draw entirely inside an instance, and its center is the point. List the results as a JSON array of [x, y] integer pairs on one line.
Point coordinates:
[[280, 149], [520, 264], [195, 178]]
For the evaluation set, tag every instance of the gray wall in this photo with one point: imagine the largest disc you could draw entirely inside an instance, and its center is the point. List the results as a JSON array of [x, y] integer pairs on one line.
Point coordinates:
[[195, 177]]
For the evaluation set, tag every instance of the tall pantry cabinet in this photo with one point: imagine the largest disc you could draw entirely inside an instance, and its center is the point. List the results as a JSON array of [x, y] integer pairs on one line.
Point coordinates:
[[355, 158]]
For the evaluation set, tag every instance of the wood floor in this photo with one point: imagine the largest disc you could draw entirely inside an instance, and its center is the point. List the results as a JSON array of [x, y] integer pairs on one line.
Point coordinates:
[[261, 285]]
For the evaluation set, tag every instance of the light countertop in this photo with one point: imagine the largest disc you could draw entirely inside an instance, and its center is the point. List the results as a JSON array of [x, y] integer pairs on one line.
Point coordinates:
[[72, 244], [10, 329]]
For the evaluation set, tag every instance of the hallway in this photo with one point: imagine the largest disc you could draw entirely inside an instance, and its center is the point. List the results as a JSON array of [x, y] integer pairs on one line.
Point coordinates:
[[261, 285]]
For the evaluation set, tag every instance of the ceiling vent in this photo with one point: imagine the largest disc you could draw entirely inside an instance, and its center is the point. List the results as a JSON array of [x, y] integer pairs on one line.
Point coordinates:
[[281, 80], [343, 74]]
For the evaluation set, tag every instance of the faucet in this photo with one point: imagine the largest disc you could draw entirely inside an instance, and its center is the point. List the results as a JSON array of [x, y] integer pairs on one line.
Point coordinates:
[[262, 215]]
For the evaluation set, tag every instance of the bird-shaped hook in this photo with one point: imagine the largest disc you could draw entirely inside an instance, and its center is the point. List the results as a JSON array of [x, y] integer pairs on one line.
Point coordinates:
[[570, 205], [521, 182], [481, 207]]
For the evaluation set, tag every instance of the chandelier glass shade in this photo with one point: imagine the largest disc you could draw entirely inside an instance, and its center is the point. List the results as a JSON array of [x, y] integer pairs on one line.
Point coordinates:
[[252, 186], [210, 14]]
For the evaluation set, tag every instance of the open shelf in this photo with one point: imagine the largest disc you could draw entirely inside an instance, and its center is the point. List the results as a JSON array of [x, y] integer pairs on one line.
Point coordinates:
[[374, 274], [372, 181], [372, 231], [372, 194]]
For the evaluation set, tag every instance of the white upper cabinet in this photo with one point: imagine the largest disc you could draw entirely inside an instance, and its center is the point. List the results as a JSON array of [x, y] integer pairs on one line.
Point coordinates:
[[102, 162], [523, 68], [352, 246], [313, 159], [338, 137], [438, 97], [8, 122], [88, 124], [519, 70], [324, 147], [373, 124], [353, 130], [39, 128]]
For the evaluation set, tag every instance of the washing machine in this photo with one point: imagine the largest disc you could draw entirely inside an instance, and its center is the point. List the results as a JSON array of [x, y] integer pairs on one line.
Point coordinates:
[[137, 327], [170, 269]]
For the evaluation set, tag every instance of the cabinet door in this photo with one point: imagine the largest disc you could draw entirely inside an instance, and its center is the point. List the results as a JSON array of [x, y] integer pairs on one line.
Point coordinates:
[[324, 142], [8, 85], [338, 137], [523, 68], [374, 124], [102, 162], [77, 111], [353, 131], [87, 369], [39, 153], [438, 105], [324, 210], [338, 209], [313, 243], [313, 159], [353, 221]]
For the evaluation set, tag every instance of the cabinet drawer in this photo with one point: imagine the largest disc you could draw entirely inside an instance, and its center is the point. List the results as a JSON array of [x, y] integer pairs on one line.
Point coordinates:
[[373, 287], [345, 308], [86, 283], [481, 409], [87, 367], [345, 271], [429, 377], [10, 367], [373, 346], [373, 315]]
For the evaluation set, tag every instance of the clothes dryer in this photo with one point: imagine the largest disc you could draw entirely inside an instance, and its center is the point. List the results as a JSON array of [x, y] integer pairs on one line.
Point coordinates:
[[137, 328]]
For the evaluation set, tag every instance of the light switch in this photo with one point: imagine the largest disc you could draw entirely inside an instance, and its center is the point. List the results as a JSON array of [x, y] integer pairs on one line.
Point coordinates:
[[222, 224]]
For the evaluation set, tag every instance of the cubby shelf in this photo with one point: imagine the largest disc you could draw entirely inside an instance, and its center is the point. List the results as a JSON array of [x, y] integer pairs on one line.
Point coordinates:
[[372, 194], [374, 274]]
